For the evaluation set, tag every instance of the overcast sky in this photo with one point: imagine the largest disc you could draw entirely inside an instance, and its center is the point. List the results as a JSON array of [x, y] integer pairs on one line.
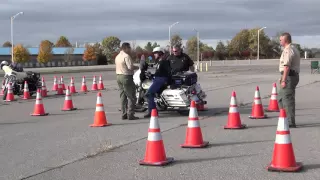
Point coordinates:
[[144, 20]]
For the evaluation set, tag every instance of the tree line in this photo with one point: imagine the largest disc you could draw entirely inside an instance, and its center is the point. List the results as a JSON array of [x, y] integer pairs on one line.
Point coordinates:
[[242, 46]]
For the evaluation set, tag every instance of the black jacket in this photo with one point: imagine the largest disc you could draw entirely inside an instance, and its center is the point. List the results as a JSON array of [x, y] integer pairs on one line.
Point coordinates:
[[180, 63], [163, 68]]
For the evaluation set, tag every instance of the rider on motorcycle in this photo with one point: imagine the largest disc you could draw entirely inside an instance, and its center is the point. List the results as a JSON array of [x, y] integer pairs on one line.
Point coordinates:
[[13, 68], [161, 76], [180, 61]]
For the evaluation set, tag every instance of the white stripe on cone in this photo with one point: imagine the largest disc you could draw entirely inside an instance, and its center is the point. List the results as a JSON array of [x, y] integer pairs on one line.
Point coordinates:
[[154, 123], [193, 112], [257, 94], [283, 139], [38, 98], [26, 88], [68, 96], [10, 88], [282, 124], [233, 109], [257, 101], [154, 136], [193, 124]]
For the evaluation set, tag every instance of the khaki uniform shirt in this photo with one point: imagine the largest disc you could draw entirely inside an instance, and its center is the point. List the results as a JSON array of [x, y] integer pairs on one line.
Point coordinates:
[[124, 64], [290, 57]]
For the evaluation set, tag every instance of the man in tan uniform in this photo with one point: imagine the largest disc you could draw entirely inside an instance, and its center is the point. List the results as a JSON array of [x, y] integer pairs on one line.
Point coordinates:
[[125, 70], [289, 68]]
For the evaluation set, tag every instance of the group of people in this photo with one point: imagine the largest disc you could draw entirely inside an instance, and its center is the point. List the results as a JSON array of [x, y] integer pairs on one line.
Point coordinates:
[[166, 65], [289, 68]]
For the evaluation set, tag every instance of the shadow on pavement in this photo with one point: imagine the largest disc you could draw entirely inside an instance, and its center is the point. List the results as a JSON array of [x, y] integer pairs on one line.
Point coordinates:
[[236, 143], [263, 126], [185, 161], [14, 123], [307, 167], [308, 125]]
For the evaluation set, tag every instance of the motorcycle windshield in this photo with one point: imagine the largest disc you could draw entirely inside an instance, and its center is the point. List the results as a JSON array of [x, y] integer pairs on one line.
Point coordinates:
[[7, 70]]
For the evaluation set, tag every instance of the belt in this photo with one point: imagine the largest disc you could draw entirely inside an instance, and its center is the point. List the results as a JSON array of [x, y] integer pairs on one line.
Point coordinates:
[[291, 73]]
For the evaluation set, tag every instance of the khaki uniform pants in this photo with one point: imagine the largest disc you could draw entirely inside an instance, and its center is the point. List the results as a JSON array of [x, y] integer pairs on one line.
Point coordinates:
[[127, 94], [286, 97]]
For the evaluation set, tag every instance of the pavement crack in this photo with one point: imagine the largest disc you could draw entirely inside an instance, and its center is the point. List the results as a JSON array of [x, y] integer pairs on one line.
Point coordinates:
[[96, 154]]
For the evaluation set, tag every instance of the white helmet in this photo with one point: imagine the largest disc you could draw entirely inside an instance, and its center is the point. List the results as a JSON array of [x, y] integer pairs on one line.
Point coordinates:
[[4, 63], [158, 49]]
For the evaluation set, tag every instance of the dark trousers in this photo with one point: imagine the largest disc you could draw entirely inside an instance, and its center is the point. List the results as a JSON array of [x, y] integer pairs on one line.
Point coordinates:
[[286, 97], [156, 85], [127, 94]]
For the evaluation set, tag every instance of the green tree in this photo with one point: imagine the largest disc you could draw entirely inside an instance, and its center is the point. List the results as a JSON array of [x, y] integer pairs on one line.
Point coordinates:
[[155, 44], [192, 47], [264, 42], [298, 46], [139, 49], [45, 51], [20, 54], [110, 46], [221, 51], [240, 42], [176, 40], [7, 44], [148, 47], [63, 42]]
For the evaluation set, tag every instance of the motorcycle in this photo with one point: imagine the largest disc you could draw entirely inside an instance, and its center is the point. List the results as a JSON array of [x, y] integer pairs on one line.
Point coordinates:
[[17, 80], [175, 96]]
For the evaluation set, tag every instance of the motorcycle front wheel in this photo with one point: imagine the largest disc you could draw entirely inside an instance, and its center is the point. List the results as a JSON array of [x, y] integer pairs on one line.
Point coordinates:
[[5, 92]]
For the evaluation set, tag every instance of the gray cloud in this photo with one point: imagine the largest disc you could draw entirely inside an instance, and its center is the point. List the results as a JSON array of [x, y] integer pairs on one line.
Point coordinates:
[[143, 19]]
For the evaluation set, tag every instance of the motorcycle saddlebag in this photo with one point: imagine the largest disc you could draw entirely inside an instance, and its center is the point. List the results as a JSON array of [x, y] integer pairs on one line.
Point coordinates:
[[185, 79]]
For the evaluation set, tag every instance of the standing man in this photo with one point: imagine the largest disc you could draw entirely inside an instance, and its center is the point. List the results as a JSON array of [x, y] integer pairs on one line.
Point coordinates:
[[125, 70], [289, 68], [180, 61]]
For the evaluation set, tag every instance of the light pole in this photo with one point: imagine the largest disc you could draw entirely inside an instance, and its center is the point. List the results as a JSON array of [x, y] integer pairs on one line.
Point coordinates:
[[198, 48], [170, 35], [259, 41], [12, 18]]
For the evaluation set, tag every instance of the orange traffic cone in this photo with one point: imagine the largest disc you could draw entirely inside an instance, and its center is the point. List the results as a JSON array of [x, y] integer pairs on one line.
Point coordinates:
[[100, 115], [68, 104], [62, 83], [234, 120], [55, 85], [72, 87], [155, 154], [101, 85], [39, 107], [44, 91], [94, 86], [2, 87], [10, 95], [283, 158], [273, 104], [60, 90], [194, 134], [84, 86], [257, 108], [26, 94]]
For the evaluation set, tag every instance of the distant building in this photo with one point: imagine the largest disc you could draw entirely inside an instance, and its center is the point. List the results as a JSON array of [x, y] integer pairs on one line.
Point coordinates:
[[61, 57]]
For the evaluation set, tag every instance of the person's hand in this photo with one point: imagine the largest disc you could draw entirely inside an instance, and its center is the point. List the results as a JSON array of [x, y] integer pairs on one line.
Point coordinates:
[[283, 84]]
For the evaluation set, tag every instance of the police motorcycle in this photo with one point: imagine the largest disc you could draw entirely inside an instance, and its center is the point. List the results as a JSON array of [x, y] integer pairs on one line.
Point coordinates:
[[17, 77], [175, 96]]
